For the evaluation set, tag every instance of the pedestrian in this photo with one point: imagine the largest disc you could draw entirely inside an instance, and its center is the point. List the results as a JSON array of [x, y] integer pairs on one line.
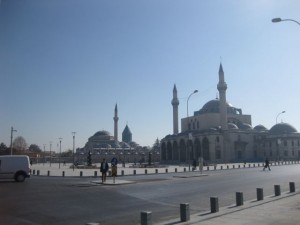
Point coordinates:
[[267, 164], [104, 169]]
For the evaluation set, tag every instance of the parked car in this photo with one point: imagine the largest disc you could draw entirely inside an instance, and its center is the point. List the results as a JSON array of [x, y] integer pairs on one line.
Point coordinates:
[[14, 167]]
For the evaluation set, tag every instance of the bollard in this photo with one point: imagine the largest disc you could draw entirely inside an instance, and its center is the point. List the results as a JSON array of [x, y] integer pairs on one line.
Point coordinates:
[[95, 173], [175, 170], [48, 173], [184, 169], [33, 172], [156, 170], [227, 167], [208, 168], [260, 194], [239, 198], [221, 167], [214, 204], [233, 167], [122, 173], [146, 172], [239, 166], [63, 173], [249, 165], [146, 218], [166, 170], [134, 172], [244, 165], [81, 173], [38, 173], [277, 190], [292, 186], [253, 165], [184, 212]]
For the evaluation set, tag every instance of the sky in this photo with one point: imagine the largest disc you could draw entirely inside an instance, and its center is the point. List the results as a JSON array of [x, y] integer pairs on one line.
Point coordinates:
[[65, 64]]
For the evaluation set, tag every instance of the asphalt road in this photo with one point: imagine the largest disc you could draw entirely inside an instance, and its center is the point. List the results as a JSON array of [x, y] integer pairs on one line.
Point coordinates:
[[48, 200]]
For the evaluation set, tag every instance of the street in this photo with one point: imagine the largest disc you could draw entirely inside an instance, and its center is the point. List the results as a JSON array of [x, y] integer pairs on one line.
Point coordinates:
[[58, 200]]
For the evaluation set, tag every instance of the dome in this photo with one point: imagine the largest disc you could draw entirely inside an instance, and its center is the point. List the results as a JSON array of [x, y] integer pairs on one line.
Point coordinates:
[[232, 126], [260, 128], [212, 106], [102, 133], [245, 126], [282, 128]]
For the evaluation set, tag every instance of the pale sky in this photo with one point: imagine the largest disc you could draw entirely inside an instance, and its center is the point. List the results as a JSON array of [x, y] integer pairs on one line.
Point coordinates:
[[64, 64]]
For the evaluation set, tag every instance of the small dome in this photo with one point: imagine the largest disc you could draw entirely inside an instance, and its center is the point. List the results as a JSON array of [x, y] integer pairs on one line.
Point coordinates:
[[260, 128], [245, 126], [232, 126], [282, 128]]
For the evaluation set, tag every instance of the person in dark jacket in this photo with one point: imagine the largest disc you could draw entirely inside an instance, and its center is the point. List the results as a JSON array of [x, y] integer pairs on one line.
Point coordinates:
[[103, 169], [267, 164]]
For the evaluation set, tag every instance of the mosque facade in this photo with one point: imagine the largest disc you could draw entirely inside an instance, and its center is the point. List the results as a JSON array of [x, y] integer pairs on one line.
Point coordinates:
[[220, 133]]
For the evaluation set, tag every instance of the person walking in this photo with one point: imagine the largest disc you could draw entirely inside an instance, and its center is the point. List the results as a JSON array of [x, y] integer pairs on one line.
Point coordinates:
[[103, 169], [267, 164]]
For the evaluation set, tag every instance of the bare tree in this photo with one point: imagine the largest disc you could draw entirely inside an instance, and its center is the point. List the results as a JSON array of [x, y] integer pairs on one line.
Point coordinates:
[[20, 144]]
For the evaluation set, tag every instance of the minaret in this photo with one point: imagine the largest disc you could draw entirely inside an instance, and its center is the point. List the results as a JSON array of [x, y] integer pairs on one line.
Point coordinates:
[[116, 118], [175, 103], [222, 86]]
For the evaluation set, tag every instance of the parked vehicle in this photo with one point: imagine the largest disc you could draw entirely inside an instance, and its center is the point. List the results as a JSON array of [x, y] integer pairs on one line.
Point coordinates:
[[14, 167]]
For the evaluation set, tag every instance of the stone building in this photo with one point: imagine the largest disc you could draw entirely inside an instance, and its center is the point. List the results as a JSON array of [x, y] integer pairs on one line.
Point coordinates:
[[220, 132]]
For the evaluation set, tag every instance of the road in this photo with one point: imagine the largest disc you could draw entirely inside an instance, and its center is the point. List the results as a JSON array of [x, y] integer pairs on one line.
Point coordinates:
[[58, 200]]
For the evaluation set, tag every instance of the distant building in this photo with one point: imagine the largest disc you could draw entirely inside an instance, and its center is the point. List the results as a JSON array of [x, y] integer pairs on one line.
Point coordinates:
[[220, 132], [103, 143]]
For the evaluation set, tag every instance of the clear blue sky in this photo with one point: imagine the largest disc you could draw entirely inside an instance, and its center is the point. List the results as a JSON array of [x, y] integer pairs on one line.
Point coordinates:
[[64, 64]]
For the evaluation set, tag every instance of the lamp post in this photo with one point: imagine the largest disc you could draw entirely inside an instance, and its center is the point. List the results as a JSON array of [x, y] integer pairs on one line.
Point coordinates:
[[279, 115], [50, 152], [277, 20], [59, 151], [44, 155], [11, 139], [187, 103], [73, 133]]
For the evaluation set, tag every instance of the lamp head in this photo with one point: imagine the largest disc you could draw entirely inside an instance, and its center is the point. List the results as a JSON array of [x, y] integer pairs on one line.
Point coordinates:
[[276, 20]]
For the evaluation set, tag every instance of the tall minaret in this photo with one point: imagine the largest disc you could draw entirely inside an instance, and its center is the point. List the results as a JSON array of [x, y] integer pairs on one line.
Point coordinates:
[[222, 86], [175, 103], [116, 118]]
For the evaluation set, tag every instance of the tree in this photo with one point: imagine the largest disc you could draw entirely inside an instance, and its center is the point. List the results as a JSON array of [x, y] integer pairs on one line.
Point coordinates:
[[20, 144], [3, 149], [68, 153], [156, 145], [34, 148]]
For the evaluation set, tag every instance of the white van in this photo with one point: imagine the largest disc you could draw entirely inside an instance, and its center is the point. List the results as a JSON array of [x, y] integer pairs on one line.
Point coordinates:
[[14, 167]]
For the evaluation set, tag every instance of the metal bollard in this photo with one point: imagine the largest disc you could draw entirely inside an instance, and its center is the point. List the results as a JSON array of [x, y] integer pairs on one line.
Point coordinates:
[[146, 172], [233, 167], [63, 173], [260, 194], [277, 190], [292, 186], [122, 172], [38, 173], [239, 198], [95, 173], [221, 167], [134, 172], [214, 204], [33, 172], [227, 167], [156, 170], [175, 170], [239, 166], [146, 218], [184, 212], [81, 173], [166, 170], [184, 169], [48, 173]]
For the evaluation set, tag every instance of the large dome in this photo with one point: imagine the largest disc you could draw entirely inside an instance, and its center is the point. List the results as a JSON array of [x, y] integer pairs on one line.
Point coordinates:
[[212, 106], [282, 128], [102, 133]]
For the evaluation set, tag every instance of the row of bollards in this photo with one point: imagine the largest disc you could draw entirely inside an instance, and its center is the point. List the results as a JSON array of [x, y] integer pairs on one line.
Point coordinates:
[[146, 216]]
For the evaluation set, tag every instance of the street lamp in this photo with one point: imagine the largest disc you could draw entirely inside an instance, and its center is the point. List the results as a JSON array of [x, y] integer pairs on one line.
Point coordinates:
[[44, 155], [187, 103], [50, 152], [279, 114], [277, 20], [73, 133], [11, 138], [59, 151]]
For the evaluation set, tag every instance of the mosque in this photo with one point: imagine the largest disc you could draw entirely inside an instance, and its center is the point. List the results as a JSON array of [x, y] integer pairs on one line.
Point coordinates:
[[103, 143], [220, 133]]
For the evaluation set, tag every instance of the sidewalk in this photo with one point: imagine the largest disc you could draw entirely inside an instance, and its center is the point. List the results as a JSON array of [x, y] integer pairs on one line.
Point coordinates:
[[279, 210]]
